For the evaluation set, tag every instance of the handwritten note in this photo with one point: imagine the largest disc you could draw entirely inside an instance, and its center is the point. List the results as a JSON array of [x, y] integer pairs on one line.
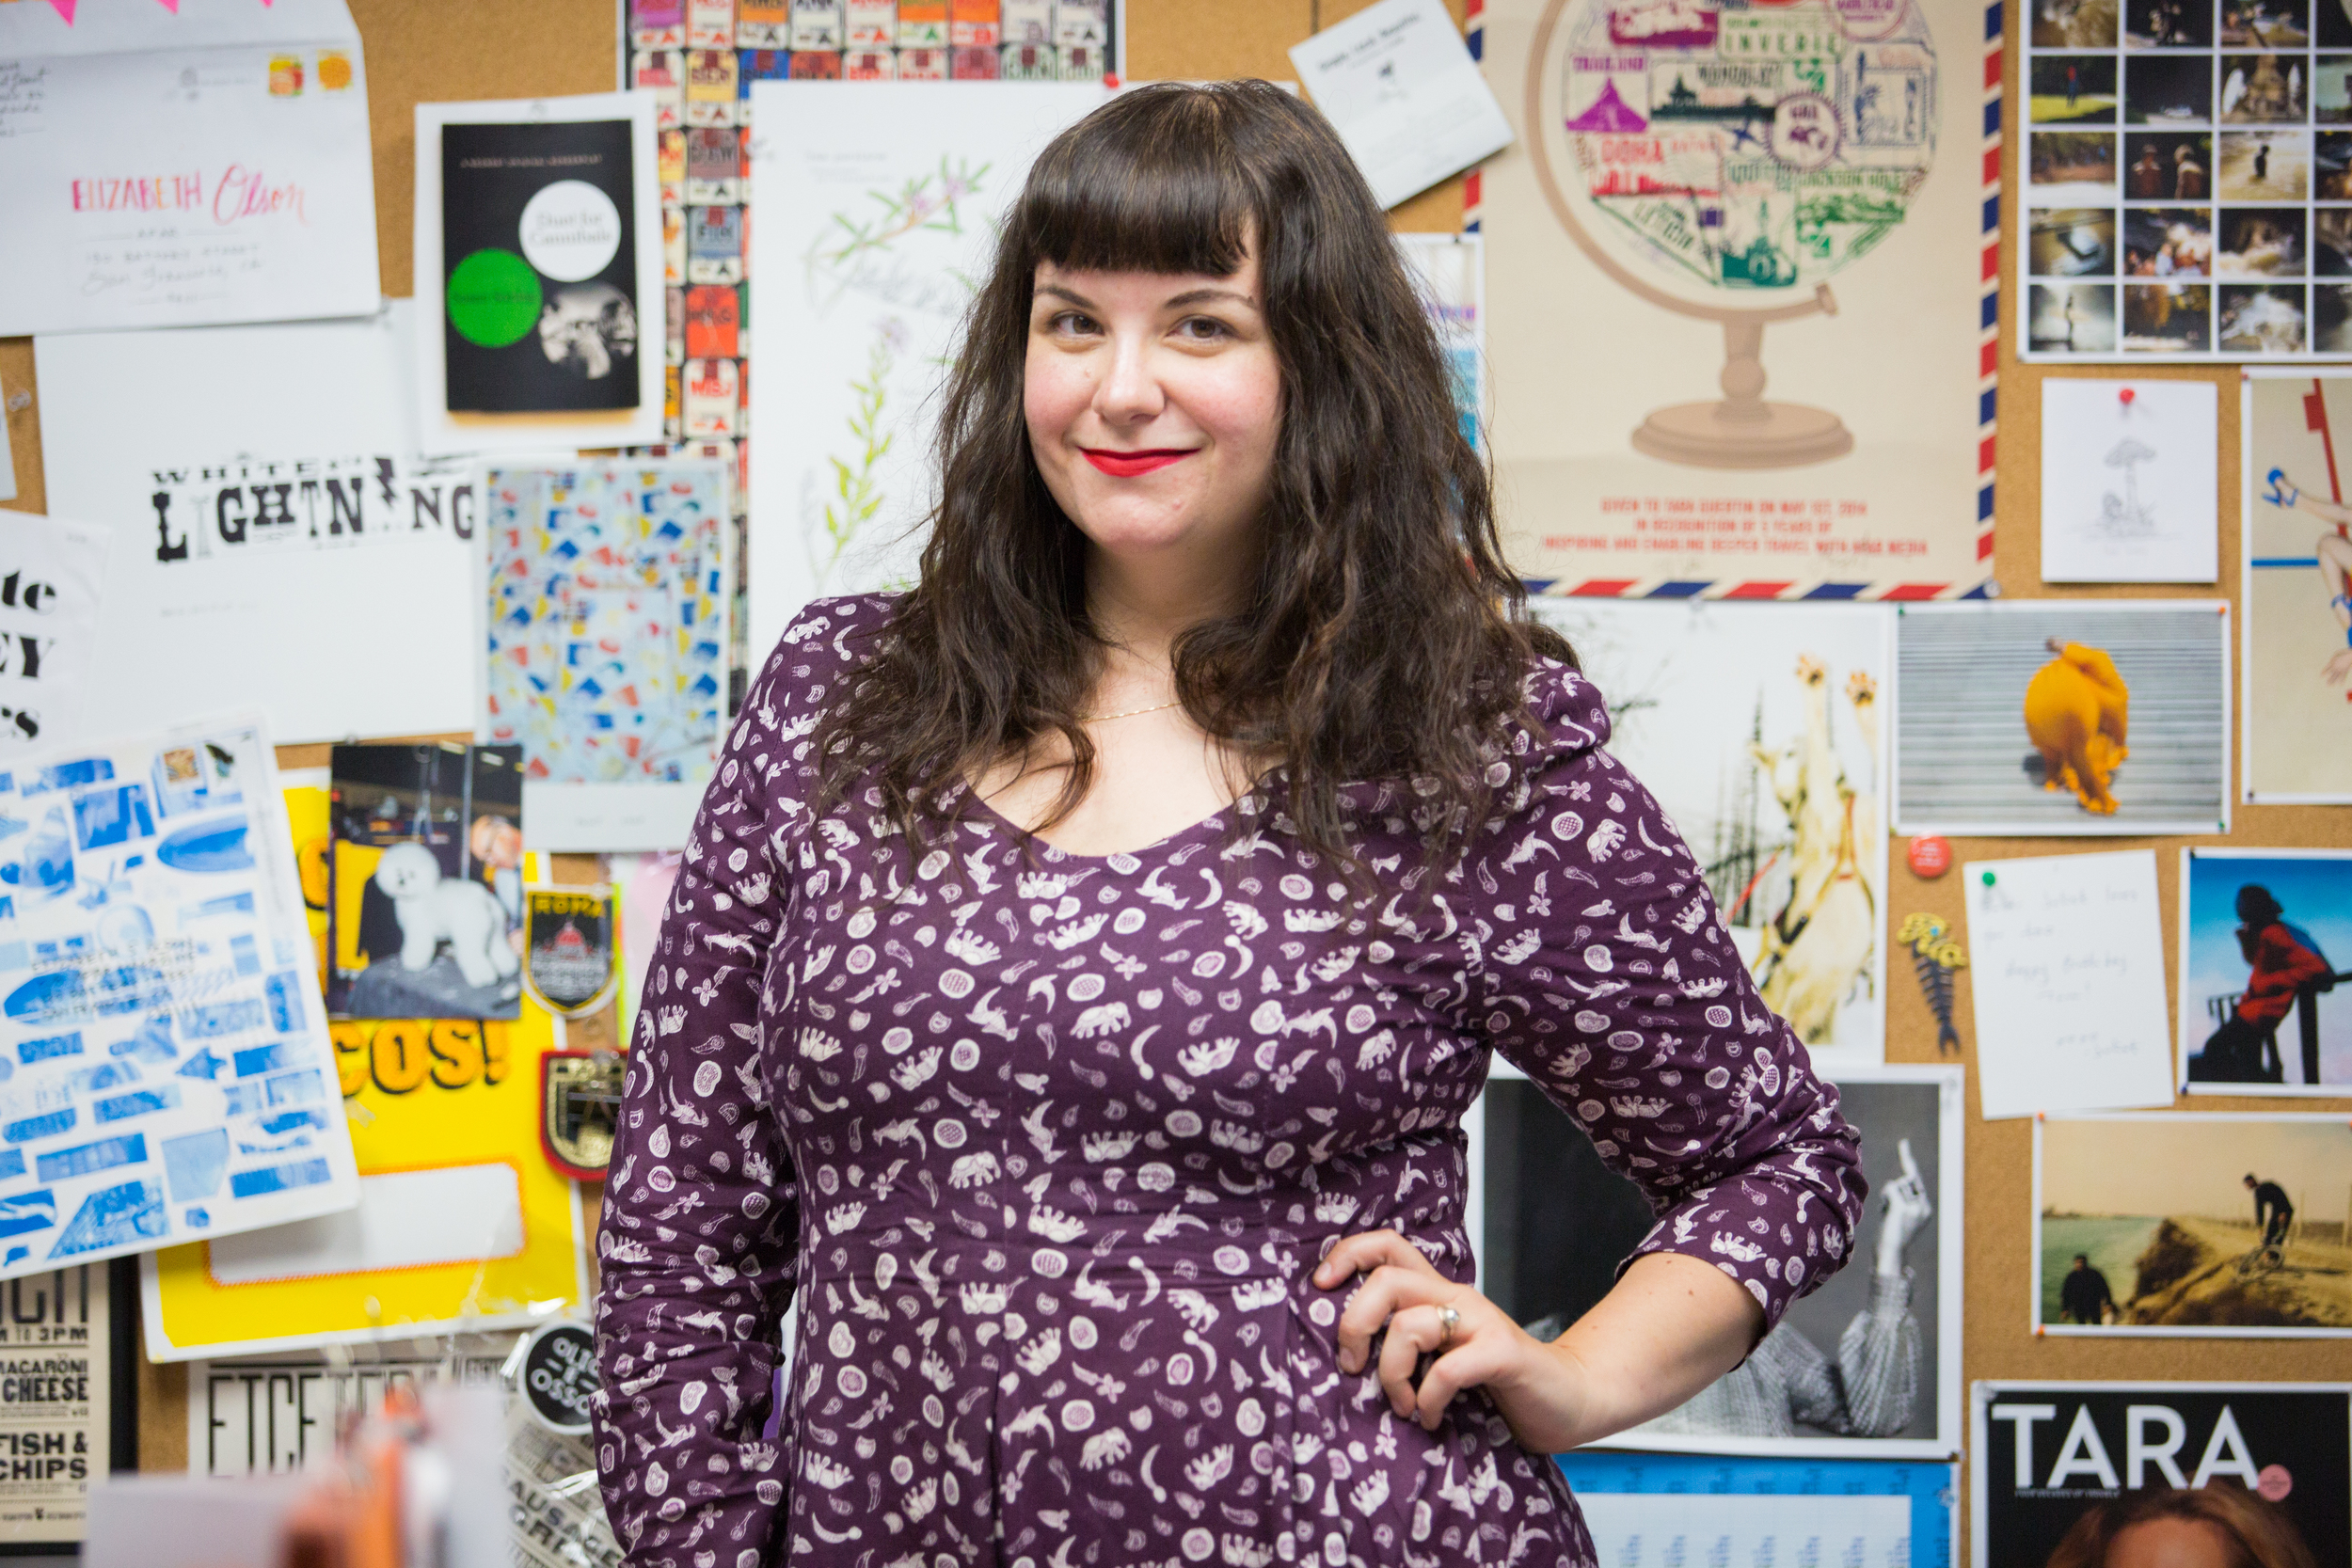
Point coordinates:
[[2066, 953], [180, 168]]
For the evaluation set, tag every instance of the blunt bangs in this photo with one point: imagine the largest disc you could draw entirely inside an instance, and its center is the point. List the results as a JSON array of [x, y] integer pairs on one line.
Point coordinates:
[[1154, 181]]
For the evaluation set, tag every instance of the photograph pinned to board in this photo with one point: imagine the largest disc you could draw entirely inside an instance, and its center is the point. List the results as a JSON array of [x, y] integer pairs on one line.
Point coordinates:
[[1451, 271], [1647, 1508], [2240, 1472], [184, 165], [53, 581], [1867, 1365], [2062, 717], [427, 880], [606, 593], [2204, 1223], [2295, 536], [275, 538], [2130, 480], [1402, 90], [540, 303], [75, 1417], [2262, 934], [1734, 430], [173, 1076], [2066, 955], [1757, 725], [868, 284]]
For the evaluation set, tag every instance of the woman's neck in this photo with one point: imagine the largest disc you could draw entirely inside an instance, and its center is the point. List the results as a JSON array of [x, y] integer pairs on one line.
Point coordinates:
[[1140, 609]]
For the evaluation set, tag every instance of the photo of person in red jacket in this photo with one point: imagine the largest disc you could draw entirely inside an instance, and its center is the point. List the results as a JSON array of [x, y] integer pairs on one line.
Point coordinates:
[[2285, 960]]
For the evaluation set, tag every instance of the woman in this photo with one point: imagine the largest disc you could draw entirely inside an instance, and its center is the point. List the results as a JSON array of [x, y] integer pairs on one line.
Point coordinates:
[[1082, 963], [2220, 1526]]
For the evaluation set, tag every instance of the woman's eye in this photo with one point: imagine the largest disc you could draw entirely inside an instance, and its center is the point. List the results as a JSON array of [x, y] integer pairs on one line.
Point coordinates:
[[1071, 322], [1203, 328]]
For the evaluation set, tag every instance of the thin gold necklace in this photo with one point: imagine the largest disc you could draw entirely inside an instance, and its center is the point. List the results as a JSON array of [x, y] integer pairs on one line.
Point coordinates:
[[1098, 718]]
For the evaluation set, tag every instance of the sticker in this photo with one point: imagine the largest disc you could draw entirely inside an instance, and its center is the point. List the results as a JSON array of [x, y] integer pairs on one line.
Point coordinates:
[[579, 1104], [568, 962], [1930, 855], [558, 1376]]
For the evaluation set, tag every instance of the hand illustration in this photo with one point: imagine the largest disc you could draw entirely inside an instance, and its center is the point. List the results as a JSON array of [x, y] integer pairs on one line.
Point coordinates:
[[1908, 1212]]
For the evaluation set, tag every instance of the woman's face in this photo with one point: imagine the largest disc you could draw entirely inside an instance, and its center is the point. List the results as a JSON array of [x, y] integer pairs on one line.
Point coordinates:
[[2172, 1544], [1154, 400]]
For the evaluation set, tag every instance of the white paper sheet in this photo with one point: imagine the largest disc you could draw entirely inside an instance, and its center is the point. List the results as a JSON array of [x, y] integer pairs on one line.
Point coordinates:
[[863, 307], [52, 582], [1399, 85], [180, 443], [2066, 960], [181, 166], [2130, 480], [441, 432], [172, 1078]]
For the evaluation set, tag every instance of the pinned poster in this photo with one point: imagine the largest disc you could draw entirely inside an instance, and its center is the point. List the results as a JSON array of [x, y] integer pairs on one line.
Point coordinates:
[[539, 274], [278, 540], [1643, 1510], [170, 1056], [460, 1225], [606, 606], [184, 165], [2067, 957], [52, 575]]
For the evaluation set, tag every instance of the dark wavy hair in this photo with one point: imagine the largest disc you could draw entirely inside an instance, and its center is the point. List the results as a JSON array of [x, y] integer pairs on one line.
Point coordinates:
[[1382, 638]]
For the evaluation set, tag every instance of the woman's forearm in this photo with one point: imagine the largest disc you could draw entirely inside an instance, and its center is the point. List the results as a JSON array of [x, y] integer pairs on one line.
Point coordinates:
[[1670, 1326]]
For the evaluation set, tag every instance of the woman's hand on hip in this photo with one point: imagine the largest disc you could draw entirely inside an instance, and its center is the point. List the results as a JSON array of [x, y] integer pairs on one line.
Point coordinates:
[[1540, 1392]]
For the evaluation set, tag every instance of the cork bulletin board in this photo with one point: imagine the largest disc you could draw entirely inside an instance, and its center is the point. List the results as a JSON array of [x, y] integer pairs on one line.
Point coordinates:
[[422, 50]]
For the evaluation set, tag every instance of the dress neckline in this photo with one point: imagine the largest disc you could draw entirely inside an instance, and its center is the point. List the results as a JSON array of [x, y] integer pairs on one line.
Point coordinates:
[[1013, 830]]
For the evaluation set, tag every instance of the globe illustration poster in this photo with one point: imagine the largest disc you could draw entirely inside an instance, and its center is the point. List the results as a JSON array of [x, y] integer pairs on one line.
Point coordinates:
[[1744, 246], [1734, 154]]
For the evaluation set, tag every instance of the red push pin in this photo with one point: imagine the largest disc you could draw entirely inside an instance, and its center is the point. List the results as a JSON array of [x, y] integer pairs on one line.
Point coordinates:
[[2127, 394]]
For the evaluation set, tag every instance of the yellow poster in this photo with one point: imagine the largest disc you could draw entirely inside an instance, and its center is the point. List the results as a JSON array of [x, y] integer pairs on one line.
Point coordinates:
[[462, 1224]]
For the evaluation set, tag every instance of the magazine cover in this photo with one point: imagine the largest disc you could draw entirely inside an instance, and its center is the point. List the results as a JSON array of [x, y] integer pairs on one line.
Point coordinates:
[[2084, 1473], [428, 881]]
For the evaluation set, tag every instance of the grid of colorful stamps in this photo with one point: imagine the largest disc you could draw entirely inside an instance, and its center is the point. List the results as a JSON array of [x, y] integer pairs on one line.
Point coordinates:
[[700, 58], [2189, 179]]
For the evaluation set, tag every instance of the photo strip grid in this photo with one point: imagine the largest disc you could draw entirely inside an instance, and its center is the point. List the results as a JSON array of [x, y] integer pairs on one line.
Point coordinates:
[[2189, 180]]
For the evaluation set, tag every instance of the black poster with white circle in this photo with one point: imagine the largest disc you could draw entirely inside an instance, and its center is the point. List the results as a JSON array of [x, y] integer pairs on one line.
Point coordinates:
[[558, 1376]]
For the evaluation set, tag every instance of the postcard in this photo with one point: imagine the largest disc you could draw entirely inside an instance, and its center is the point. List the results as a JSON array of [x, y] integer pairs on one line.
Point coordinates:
[[428, 879], [2204, 1223], [52, 578], [2255, 1472], [539, 274], [2062, 717], [1867, 1365], [1665, 1510], [2261, 932], [2066, 955], [2130, 480], [275, 538], [2295, 538], [172, 1069], [184, 165], [605, 604], [1399, 86], [1758, 727]]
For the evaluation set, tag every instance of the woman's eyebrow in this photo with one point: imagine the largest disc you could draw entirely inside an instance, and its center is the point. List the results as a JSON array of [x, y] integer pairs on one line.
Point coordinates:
[[1190, 296]]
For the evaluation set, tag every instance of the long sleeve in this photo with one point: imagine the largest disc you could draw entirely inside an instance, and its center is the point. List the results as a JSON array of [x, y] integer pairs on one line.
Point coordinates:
[[701, 1225], [1878, 1361], [1606, 977]]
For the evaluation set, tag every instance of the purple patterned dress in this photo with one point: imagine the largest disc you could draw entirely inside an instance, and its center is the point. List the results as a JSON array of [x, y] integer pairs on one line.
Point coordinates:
[[1046, 1149]]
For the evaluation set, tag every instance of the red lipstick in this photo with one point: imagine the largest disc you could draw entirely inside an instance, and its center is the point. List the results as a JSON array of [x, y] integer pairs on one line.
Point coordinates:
[[1126, 464]]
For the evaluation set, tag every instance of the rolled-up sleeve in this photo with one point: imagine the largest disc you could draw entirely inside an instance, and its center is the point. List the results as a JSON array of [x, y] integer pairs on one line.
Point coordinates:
[[1608, 980], [699, 1238]]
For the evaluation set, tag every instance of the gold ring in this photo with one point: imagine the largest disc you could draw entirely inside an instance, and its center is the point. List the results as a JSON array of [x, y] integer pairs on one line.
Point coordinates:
[[1451, 1318]]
